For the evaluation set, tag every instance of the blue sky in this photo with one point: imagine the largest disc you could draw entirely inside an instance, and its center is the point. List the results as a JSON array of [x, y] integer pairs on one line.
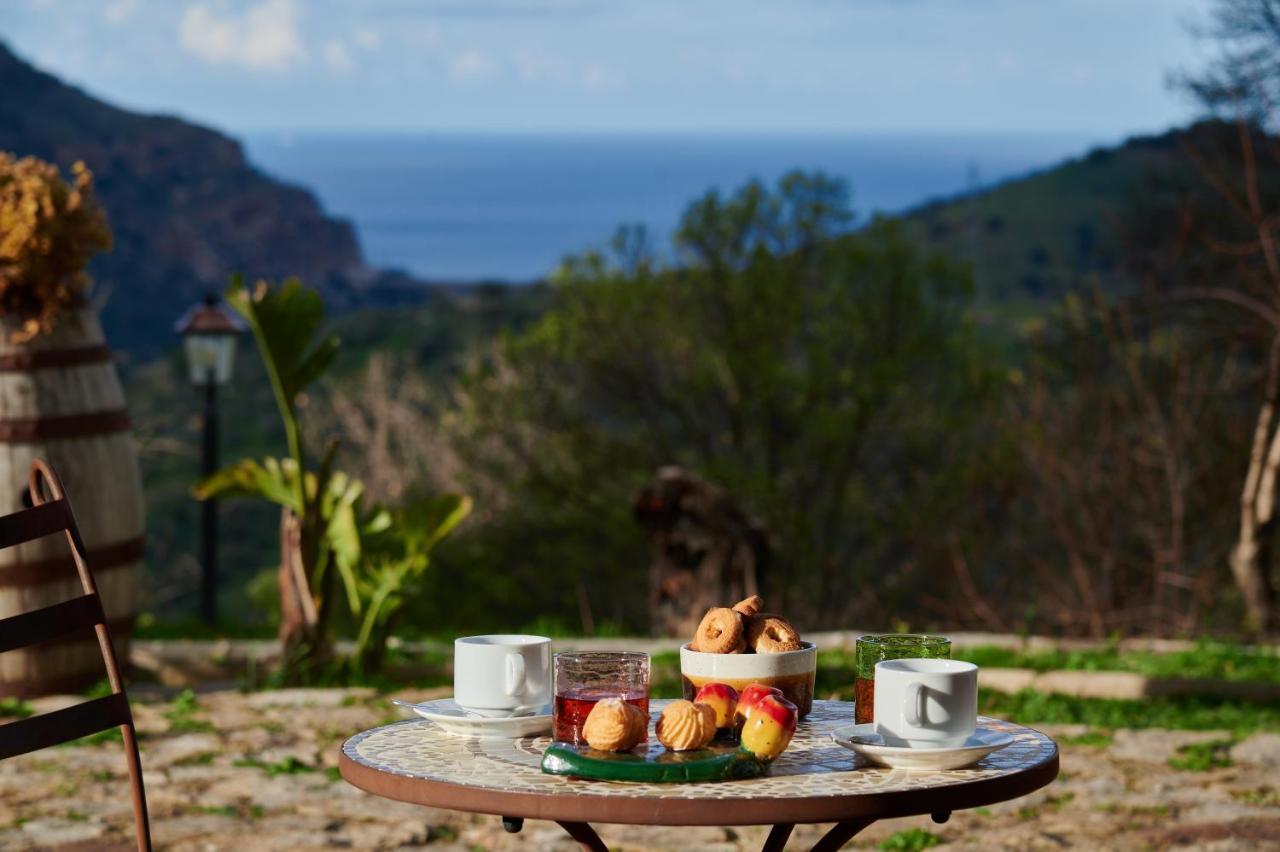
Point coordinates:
[[1094, 67]]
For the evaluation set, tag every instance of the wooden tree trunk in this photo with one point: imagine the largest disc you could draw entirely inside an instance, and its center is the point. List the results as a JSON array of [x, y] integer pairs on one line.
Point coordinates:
[[1250, 557], [298, 617]]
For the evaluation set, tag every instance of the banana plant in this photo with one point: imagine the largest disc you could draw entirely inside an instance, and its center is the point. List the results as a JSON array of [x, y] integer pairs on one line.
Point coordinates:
[[324, 527], [319, 503]]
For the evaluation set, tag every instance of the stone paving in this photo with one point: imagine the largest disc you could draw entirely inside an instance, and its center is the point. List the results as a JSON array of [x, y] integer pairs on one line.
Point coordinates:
[[258, 771]]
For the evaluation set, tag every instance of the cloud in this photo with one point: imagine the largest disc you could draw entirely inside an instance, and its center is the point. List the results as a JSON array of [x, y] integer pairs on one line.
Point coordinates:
[[367, 38], [264, 38], [336, 56], [472, 66], [599, 78], [542, 67], [119, 11]]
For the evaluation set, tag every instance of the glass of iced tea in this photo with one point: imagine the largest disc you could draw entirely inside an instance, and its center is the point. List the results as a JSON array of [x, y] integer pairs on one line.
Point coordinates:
[[583, 678], [877, 647]]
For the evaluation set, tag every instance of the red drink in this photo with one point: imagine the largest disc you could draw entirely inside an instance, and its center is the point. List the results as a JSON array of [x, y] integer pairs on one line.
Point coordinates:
[[571, 710], [864, 697]]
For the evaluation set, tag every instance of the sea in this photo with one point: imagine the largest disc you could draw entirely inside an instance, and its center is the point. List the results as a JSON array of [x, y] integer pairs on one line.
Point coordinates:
[[468, 207]]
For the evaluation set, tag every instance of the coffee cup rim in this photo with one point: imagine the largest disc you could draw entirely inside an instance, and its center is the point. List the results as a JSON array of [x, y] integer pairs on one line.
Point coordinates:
[[507, 640], [925, 665]]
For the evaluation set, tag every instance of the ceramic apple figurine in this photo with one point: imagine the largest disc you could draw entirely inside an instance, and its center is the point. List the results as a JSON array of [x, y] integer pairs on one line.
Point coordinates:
[[769, 727], [750, 696], [721, 698]]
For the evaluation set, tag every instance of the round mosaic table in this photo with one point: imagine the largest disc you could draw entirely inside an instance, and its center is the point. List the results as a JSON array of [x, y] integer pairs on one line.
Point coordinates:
[[814, 781]]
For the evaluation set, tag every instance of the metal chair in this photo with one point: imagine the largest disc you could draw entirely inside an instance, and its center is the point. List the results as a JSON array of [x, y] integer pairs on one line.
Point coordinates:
[[50, 514]]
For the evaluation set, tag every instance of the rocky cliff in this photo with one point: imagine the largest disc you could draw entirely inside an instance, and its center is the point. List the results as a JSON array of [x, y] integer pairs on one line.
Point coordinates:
[[185, 207]]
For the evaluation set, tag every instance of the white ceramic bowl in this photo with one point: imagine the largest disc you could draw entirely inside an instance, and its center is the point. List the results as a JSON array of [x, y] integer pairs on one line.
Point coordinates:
[[791, 671]]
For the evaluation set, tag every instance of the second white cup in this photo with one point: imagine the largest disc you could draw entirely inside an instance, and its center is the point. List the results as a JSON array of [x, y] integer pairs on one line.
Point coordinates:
[[923, 703], [504, 674]]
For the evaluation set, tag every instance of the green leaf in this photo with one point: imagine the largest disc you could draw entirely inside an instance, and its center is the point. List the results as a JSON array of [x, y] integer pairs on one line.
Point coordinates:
[[285, 320], [342, 533], [425, 521], [271, 479]]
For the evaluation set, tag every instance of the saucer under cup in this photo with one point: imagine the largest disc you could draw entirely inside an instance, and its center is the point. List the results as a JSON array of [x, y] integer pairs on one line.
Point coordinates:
[[864, 740], [446, 715], [502, 675], [926, 703]]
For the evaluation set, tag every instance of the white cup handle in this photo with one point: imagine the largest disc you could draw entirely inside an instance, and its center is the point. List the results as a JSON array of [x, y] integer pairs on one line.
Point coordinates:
[[515, 674], [913, 712]]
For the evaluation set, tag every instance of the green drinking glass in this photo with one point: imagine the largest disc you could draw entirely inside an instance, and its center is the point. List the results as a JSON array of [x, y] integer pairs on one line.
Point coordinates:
[[877, 647]]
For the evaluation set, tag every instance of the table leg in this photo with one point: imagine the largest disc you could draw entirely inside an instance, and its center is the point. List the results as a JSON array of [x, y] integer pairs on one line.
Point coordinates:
[[585, 835], [777, 839], [840, 834]]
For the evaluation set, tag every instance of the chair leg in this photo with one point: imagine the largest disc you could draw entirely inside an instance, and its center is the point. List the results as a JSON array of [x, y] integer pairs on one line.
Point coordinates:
[[141, 822]]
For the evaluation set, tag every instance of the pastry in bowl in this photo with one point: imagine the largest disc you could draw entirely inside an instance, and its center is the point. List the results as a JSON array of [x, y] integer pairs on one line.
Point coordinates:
[[742, 645]]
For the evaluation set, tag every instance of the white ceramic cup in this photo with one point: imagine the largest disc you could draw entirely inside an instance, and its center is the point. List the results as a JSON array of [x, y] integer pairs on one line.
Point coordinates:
[[924, 703], [502, 675]]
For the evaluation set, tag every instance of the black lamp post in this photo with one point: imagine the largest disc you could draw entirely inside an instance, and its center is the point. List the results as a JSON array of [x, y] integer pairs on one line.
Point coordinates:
[[209, 332]]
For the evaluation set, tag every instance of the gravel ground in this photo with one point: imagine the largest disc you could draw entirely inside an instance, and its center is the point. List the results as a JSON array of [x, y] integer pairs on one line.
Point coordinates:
[[258, 771]]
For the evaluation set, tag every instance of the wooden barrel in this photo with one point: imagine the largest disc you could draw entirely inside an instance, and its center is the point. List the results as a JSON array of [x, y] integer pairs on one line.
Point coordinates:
[[60, 399]]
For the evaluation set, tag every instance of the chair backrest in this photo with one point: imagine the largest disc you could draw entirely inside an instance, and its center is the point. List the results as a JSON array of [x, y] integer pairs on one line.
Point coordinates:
[[50, 514]]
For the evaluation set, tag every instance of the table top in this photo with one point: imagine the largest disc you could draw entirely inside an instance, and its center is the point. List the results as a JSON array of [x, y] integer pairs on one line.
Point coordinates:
[[815, 780]]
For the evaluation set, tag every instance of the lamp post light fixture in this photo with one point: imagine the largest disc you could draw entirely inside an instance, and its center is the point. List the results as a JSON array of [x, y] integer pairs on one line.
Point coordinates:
[[209, 331]]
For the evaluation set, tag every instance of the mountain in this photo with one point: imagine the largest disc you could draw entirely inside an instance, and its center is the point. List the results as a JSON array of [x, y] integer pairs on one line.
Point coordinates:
[[186, 209], [1034, 238]]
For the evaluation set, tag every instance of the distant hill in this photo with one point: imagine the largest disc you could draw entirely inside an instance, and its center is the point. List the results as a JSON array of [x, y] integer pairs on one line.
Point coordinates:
[[1033, 238], [185, 207]]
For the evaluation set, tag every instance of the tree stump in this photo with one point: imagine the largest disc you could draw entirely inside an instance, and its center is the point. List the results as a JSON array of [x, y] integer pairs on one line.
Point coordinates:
[[706, 551]]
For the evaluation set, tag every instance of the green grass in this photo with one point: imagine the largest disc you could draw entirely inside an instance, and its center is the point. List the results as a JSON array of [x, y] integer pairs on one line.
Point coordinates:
[[1208, 660], [1192, 713], [441, 833], [288, 766], [1264, 796], [15, 708], [910, 840], [1089, 739], [1202, 757], [218, 810], [182, 715]]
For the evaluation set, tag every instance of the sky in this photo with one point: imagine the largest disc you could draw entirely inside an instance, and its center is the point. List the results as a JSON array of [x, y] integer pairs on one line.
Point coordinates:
[[1095, 67]]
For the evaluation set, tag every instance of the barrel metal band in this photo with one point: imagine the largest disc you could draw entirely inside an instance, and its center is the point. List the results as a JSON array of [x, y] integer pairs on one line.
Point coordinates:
[[30, 430], [43, 359], [100, 559]]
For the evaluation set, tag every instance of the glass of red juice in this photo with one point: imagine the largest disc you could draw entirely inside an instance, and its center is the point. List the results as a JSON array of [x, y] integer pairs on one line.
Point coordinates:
[[584, 677]]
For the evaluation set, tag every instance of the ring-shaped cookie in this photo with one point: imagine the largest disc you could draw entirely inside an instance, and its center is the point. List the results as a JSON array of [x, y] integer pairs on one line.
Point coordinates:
[[721, 632], [771, 634]]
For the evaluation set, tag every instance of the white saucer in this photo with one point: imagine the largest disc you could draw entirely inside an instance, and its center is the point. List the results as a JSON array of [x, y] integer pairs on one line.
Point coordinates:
[[452, 719], [865, 741]]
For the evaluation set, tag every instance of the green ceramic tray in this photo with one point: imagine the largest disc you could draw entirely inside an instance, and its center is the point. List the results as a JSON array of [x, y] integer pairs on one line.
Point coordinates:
[[653, 763]]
